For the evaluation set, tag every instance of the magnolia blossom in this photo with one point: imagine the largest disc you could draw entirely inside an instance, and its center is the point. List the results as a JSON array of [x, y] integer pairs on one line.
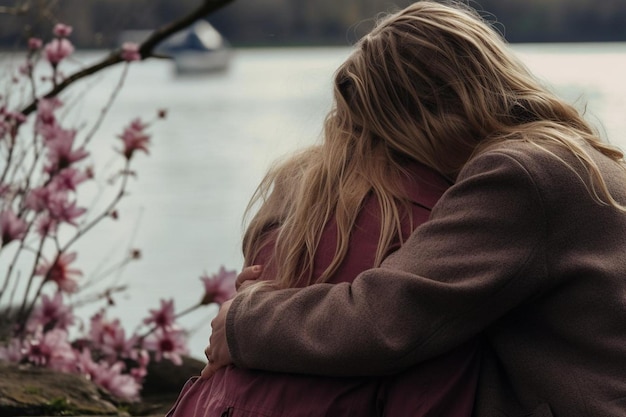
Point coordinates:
[[12, 352], [62, 31], [63, 210], [142, 358], [219, 287], [134, 138], [51, 313], [57, 50], [34, 44], [130, 52], [5, 189], [11, 227], [45, 111], [17, 117], [116, 345], [103, 331], [163, 317], [60, 272], [168, 344], [117, 383], [51, 349], [38, 199], [68, 178], [60, 152], [109, 377], [46, 226], [54, 200]]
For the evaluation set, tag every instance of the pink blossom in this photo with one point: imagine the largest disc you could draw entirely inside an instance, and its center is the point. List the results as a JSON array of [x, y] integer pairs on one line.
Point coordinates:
[[52, 313], [5, 189], [38, 199], [34, 43], [137, 124], [45, 110], [55, 201], [163, 317], [168, 344], [115, 344], [46, 226], [62, 31], [63, 210], [143, 359], [60, 272], [109, 377], [57, 50], [68, 179], [134, 138], [101, 329], [219, 287], [85, 364], [130, 52], [121, 385], [11, 227], [60, 153], [18, 117], [51, 349], [13, 352]]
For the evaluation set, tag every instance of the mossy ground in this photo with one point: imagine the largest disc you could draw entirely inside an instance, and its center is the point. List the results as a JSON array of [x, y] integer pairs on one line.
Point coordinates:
[[32, 391]]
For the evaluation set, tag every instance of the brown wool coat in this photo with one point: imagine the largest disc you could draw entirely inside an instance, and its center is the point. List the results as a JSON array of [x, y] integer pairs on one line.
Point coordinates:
[[517, 251]]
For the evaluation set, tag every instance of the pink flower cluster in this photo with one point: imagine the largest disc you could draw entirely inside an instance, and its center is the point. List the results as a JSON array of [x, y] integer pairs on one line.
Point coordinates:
[[167, 340], [134, 138], [59, 48], [218, 287], [130, 52], [105, 353], [42, 217]]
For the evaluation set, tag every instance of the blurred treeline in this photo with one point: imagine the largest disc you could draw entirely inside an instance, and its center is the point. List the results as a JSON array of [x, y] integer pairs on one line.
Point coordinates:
[[98, 23]]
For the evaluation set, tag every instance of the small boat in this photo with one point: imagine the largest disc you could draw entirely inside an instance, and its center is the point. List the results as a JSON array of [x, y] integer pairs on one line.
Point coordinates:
[[197, 49]]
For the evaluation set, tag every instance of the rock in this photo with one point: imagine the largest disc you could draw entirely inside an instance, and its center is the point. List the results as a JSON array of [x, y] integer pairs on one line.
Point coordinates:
[[31, 391]]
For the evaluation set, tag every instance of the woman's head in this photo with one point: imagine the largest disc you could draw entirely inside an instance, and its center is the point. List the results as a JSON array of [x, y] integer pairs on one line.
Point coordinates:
[[432, 83], [435, 83]]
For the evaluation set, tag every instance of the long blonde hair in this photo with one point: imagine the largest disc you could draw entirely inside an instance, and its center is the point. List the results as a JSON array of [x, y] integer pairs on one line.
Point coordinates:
[[441, 84], [432, 83]]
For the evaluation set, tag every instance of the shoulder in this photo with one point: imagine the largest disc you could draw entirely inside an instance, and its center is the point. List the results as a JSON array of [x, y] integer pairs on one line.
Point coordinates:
[[544, 164]]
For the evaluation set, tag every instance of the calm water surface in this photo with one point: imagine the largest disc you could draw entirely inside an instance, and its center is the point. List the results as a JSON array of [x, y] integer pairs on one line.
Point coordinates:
[[185, 207]]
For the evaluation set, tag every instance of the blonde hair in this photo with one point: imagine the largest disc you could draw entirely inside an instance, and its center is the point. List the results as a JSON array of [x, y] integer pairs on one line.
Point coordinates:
[[441, 84], [432, 83]]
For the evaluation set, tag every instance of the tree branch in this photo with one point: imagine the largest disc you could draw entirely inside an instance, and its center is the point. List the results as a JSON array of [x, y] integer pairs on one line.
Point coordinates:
[[146, 48]]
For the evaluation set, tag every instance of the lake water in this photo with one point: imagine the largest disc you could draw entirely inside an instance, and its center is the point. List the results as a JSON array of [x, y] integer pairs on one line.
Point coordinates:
[[184, 209]]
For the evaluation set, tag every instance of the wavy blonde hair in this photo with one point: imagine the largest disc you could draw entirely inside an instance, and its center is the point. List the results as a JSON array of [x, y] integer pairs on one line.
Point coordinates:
[[439, 83], [433, 83]]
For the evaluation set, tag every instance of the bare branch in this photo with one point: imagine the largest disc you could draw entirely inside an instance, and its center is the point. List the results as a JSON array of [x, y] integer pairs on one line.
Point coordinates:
[[146, 48]]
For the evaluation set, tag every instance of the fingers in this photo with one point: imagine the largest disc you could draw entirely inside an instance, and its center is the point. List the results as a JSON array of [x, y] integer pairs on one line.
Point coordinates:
[[249, 273], [217, 352]]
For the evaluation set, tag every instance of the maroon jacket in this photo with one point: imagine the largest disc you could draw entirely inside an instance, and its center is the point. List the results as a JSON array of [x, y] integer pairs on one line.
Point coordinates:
[[443, 386]]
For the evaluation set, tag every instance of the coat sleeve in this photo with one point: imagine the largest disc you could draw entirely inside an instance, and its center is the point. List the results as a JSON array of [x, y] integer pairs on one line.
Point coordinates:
[[479, 256]]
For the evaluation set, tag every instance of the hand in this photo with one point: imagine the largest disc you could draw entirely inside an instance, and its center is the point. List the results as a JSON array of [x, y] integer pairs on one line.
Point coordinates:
[[217, 352], [249, 274]]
